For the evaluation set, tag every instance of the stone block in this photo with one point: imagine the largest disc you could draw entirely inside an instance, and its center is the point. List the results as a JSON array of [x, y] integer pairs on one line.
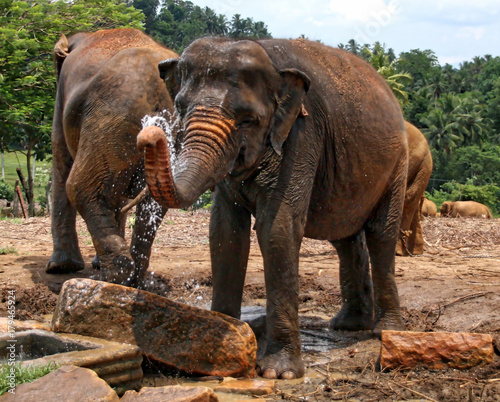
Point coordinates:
[[174, 393], [68, 383], [190, 339], [247, 387], [434, 350]]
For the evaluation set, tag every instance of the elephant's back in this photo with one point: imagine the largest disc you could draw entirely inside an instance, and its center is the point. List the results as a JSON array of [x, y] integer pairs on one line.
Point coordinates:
[[111, 86]]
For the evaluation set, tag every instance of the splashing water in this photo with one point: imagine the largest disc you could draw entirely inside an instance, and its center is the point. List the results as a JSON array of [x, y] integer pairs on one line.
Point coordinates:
[[169, 123]]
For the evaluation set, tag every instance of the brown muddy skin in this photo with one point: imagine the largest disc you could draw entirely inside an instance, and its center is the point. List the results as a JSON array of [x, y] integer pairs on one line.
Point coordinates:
[[107, 82], [318, 149], [471, 209], [411, 240]]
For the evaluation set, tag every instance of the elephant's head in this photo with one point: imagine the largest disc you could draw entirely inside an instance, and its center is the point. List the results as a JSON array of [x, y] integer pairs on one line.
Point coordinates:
[[233, 103], [446, 208]]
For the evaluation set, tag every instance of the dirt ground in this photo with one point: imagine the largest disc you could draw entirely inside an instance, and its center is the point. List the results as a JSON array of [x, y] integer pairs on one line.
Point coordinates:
[[454, 286]]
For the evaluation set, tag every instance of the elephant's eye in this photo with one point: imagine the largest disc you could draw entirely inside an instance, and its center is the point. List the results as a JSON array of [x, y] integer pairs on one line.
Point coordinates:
[[247, 121]]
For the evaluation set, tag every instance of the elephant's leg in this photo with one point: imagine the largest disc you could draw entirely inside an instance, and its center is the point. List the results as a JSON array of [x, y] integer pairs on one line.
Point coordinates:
[[355, 284], [280, 234], [94, 193], [381, 238], [66, 256], [229, 249], [148, 217]]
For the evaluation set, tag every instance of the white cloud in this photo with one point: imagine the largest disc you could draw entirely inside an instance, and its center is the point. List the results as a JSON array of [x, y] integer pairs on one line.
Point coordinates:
[[456, 30]]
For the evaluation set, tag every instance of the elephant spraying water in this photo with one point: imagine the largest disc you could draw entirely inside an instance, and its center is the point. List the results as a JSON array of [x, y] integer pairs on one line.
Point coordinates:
[[311, 141], [102, 95]]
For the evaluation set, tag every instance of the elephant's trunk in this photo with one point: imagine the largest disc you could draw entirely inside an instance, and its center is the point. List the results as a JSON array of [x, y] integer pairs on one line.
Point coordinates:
[[204, 157]]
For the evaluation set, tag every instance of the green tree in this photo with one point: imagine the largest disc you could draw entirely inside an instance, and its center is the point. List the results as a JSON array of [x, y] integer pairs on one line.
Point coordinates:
[[28, 32]]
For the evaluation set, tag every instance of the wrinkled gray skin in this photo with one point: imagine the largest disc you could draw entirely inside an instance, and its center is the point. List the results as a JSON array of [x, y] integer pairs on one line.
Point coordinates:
[[101, 98], [311, 141]]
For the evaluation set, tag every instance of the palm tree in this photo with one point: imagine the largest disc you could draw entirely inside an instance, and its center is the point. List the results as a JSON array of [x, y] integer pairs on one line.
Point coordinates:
[[380, 60], [440, 131]]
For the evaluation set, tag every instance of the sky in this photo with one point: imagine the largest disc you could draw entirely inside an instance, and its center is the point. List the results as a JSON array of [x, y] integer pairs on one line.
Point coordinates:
[[456, 30]]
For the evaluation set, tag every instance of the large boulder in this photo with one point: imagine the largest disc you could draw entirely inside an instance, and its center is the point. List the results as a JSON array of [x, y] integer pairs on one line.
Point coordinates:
[[68, 383], [190, 339], [435, 349]]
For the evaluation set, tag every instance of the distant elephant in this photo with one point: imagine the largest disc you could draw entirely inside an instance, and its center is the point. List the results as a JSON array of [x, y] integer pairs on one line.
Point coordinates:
[[465, 209], [311, 141], [107, 82], [411, 240], [429, 208]]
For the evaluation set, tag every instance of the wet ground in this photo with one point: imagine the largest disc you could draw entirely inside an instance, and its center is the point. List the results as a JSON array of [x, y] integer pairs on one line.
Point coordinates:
[[454, 286]]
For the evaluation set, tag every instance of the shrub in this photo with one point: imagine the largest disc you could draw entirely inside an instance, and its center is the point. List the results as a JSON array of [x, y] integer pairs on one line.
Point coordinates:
[[6, 191]]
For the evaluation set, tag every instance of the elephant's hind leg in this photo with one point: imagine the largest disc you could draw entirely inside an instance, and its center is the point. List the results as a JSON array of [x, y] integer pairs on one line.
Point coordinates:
[[66, 256], [381, 237], [355, 284]]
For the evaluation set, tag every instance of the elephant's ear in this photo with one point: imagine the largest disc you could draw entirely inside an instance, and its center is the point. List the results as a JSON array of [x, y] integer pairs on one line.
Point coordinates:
[[168, 73], [61, 51], [293, 87]]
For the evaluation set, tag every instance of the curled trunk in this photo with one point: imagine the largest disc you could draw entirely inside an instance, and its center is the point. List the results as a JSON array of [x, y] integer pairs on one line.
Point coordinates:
[[207, 150]]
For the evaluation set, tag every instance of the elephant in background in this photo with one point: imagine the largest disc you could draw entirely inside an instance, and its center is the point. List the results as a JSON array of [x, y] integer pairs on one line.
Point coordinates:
[[311, 141], [429, 208], [465, 209], [411, 239], [107, 82]]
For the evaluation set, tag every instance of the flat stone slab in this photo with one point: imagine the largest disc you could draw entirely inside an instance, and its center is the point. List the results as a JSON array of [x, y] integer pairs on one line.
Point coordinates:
[[120, 365], [247, 387], [435, 350], [68, 383], [193, 340], [173, 393]]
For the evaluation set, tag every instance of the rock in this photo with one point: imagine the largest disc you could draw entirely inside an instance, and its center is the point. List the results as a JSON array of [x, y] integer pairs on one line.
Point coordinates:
[[248, 387], [435, 349], [174, 393], [190, 339], [22, 325], [68, 383]]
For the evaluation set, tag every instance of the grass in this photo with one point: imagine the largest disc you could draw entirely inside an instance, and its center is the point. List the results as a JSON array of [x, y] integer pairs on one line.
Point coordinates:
[[23, 374], [7, 250], [13, 160]]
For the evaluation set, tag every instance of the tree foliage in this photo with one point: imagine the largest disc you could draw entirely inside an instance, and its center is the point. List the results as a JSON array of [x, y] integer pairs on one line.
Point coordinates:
[[28, 32], [176, 23]]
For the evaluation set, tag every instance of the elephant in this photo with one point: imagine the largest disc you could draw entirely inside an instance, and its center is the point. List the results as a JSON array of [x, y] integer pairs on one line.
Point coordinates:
[[411, 240], [429, 208], [465, 209], [309, 140], [107, 82]]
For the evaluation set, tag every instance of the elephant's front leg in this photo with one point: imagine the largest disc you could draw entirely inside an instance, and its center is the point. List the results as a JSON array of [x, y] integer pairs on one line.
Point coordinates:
[[280, 236], [229, 249]]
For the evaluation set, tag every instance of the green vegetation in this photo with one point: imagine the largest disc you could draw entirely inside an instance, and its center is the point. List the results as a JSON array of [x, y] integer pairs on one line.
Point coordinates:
[[23, 374], [8, 250]]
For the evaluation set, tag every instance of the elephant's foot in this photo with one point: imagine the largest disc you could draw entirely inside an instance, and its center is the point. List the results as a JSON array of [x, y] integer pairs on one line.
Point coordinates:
[[120, 270], [281, 365], [62, 262], [351, 318], [389, 321]]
